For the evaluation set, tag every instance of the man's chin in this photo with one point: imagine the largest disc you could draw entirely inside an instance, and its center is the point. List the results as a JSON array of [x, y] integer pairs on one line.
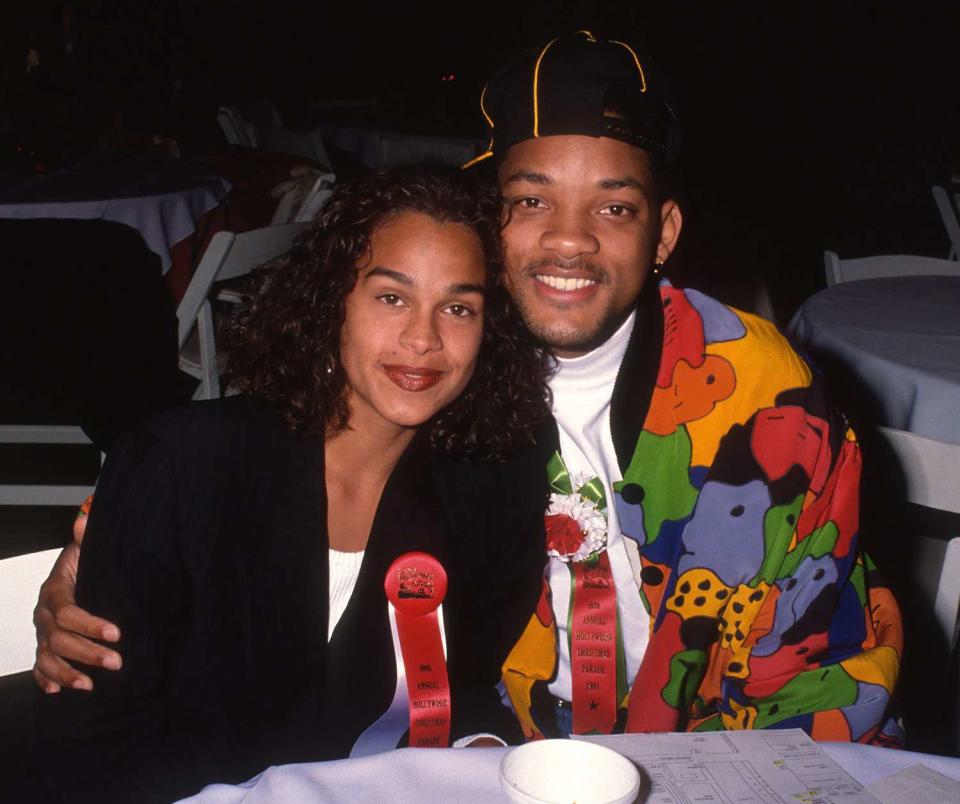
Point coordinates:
[[567, 341]]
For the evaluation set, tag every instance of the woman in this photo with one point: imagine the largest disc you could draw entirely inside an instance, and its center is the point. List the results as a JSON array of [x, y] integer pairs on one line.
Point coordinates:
[[241, 546]]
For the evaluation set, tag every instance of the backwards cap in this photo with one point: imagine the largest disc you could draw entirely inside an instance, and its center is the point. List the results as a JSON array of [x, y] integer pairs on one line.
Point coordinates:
[[566, 86]]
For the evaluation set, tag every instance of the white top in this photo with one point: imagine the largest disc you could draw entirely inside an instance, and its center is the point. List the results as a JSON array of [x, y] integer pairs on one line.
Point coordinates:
[[582, 389], [344, 569]]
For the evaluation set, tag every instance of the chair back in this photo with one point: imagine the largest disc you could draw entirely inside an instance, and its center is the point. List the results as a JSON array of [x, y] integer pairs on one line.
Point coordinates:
[[235, 129], [314, 200], [20, 579], [885, 266], [931, 475], [948, 212], [228, 256]]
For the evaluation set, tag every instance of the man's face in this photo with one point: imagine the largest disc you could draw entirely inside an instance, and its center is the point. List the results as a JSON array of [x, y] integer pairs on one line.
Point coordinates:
[[582, 235]]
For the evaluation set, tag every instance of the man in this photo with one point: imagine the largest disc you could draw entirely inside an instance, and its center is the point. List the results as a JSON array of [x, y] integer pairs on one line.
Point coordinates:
[[704, 566], [730, 593]]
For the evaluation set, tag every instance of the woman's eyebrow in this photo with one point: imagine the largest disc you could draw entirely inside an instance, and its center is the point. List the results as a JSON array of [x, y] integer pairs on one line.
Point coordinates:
[[396, 276], [405, 279]]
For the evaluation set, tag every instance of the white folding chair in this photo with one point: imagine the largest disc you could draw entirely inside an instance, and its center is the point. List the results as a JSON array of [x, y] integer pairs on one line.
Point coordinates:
[[948, 212], [43, 494], [315, 198], [20, 579], [228, 256], [235, 129], [888, 265], [302, 197], [931, 476]]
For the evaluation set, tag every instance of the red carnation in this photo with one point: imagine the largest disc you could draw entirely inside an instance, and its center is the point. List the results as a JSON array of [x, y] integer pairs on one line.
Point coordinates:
[[563, 534]]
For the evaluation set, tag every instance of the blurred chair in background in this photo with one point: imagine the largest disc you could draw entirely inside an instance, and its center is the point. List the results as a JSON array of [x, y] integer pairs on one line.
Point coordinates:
[[887, 265], [89, 341], [921, 486], [229, 256], [948, 213]]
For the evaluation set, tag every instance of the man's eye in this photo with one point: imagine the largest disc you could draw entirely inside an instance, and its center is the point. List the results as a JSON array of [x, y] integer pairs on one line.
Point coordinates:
[[390, 298], [529, 203], [618, 210]]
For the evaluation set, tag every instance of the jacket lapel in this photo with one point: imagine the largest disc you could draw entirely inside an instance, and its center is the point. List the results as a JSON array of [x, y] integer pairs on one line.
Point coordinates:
[[637, 376], [361, 670]]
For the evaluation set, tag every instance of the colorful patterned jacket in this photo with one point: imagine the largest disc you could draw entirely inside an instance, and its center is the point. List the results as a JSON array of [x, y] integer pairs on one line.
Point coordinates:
[[741, 491]]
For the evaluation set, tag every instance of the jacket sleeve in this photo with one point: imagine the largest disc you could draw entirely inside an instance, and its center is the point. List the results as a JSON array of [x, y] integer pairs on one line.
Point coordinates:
[[788, 625], [823, 638], [499, 543], [109, 744]]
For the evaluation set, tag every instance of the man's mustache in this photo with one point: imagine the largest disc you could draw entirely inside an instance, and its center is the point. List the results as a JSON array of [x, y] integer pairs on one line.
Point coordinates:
[[595, 271]]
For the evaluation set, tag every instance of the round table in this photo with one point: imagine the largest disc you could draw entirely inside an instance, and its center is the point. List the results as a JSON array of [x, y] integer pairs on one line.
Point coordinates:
[[162, 199], [468, 775], [899, 339]]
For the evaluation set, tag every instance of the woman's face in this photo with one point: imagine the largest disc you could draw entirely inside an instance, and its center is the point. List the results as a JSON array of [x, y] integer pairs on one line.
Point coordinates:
[[413, 322]]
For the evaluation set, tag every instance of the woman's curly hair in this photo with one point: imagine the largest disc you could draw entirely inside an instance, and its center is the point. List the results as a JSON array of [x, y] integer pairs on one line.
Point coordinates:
[[284, 346]]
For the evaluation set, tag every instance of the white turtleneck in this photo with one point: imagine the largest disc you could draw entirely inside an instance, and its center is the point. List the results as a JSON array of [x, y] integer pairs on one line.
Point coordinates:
[[582, 390], [344, 571]]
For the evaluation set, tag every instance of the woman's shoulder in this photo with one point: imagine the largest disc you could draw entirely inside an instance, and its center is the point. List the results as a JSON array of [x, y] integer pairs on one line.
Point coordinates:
[[214, 418]]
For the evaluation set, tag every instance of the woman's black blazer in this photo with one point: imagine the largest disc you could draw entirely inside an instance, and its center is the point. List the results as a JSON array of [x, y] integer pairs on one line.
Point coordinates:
[[207, 544]]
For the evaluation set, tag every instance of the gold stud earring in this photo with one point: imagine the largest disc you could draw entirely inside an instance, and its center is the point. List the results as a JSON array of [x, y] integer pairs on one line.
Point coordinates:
[[657, 266]]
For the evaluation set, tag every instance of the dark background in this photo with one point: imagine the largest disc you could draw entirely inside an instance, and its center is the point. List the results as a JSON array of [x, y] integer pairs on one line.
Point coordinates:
[[806, 125]]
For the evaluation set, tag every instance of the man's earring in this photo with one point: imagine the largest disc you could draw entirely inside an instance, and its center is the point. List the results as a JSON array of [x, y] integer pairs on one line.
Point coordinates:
[[657, 266]]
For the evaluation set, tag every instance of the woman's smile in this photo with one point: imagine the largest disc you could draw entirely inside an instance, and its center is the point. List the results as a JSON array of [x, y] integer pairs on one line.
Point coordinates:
[[411, 378]]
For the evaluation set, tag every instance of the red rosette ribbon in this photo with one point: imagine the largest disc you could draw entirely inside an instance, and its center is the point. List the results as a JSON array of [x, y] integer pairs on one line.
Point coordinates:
[[416, 584]]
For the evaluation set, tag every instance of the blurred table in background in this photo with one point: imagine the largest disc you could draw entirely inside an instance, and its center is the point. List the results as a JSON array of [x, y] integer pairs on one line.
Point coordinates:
[[171, 203], [376, 148], [898, 339]]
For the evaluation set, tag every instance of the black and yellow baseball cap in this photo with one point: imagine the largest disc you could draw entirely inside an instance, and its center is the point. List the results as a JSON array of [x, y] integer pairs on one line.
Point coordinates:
[[579, 84]]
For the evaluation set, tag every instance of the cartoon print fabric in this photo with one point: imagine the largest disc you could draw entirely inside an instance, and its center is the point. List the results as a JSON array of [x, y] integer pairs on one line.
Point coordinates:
[[742, 499]]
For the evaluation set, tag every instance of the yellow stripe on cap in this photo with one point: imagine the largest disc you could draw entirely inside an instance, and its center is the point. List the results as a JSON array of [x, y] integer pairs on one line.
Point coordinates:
[[589, 35], [476, 159], [536, 80], [643, 78], [483, 109]]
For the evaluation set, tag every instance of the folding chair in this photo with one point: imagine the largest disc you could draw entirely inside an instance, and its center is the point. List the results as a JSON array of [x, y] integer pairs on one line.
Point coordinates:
[[888, 265], [228, 256], [931, 475], [235, 129], [302, 197], [32, 494], [20, 579], [926, 473], [948, 212]]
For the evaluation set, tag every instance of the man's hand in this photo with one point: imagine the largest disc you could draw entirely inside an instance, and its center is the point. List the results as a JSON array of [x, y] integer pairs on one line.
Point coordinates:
[[64, 630]]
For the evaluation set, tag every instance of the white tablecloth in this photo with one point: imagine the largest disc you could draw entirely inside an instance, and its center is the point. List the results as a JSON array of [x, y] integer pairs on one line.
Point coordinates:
[[471, 776], [163, 205], [900, 338]]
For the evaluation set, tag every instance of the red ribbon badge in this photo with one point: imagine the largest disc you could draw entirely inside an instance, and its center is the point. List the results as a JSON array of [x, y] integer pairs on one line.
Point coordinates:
[[593, 647], [416, 584]]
